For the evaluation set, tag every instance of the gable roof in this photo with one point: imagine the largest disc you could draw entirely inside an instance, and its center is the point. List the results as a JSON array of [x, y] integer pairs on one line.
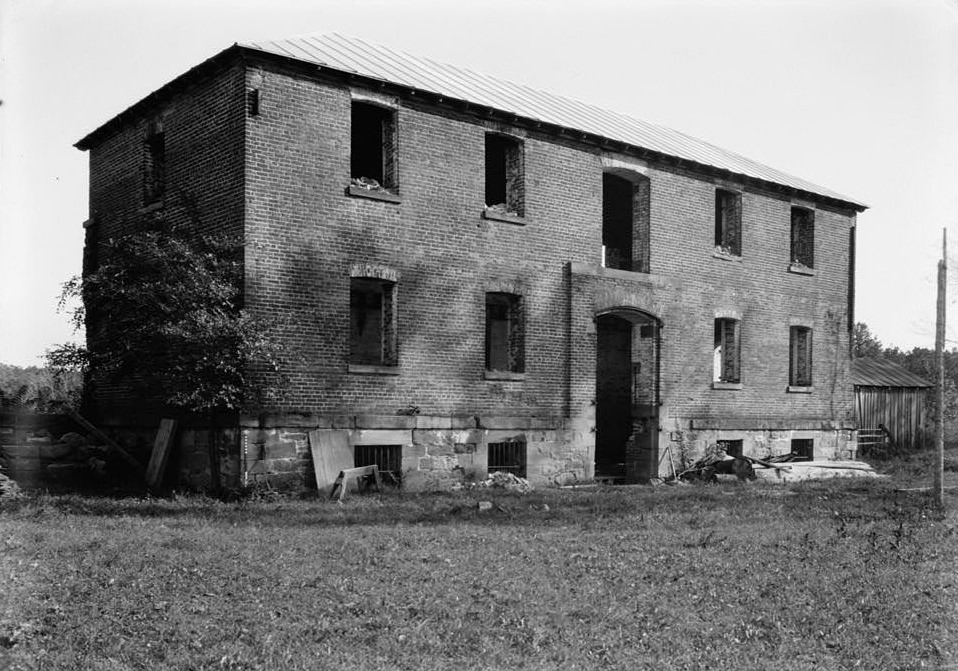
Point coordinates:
[[354, 56], [883, 373]]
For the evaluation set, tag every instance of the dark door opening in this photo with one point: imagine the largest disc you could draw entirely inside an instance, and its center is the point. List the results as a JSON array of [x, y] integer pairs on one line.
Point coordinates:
[[613, 379], [626, 414]]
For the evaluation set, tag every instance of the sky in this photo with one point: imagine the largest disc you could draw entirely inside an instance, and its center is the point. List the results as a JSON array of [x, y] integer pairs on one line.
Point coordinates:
[[860, 96]]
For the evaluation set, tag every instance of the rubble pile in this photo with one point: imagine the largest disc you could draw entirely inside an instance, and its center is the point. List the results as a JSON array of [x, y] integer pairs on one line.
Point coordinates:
[[504, 480]]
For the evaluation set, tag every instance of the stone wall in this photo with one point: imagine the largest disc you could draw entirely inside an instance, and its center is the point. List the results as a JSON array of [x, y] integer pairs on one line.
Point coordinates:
[[437, 452]]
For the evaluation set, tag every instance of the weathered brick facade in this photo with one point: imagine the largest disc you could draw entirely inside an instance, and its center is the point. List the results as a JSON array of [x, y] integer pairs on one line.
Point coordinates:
[[281, 174]]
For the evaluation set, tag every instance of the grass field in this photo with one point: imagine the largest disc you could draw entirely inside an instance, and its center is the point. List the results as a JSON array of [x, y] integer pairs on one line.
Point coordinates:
[[830, 575]]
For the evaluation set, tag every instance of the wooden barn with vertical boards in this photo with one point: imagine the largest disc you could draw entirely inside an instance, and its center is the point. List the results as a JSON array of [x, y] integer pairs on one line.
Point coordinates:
[[890, 404]]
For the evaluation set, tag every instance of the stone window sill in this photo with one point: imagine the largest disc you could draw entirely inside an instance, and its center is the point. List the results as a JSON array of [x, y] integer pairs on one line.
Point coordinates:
[[800, 269], [726, 256], [791, 389], [152, 207], [372, 194], [503, 376], [372, 369], [728, 386], [495, 215]]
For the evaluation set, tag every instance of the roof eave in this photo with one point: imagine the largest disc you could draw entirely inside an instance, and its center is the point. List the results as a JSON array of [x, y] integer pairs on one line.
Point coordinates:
[[600, 141], [211, 64]]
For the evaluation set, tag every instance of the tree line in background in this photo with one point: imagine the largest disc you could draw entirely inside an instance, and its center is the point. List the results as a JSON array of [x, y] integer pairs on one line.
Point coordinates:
[[39, 389]]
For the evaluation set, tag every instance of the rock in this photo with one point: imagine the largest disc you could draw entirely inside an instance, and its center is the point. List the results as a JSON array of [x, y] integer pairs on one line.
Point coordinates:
[[485, 505], [73, 439], [56, 451]]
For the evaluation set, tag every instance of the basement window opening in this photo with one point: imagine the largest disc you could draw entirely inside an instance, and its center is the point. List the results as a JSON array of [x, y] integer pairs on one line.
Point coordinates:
[[803, 237], [388, 458], [505, 175], [728, 222], [803, 447], [373, 147], [732, 448], [800, 356], [504, 333], [508, 456], [154, 172], [372, 322], [726, 366]]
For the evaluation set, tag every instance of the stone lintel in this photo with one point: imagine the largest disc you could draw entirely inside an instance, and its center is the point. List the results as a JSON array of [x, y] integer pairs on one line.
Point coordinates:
[[386, 421], [762, 424], [381, 437]]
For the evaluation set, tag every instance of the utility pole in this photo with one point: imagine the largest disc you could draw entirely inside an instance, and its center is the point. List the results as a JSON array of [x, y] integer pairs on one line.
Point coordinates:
[[938, 488]]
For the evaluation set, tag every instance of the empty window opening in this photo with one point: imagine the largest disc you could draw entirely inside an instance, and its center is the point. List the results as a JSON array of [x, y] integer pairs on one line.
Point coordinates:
[[387, 457], [373, 146], [505, 188], [504, 333], [508, 456], [252, 102], [372, 332], [800, 356], [617, 222], [803, 237], [727, 351], [154, 173], [732, 448], [803, 447], [728, 222]]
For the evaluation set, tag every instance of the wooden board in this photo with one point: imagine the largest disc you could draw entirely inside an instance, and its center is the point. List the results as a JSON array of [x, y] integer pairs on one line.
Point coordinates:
[[160, 453], [112, 444], [332, 453]]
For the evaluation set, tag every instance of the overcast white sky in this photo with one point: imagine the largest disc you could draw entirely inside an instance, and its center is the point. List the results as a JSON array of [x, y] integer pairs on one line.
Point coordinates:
[[860, 96]]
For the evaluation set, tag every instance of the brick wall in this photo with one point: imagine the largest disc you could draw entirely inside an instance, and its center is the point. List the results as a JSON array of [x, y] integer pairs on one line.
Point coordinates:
[[307, 233], [203, 131]]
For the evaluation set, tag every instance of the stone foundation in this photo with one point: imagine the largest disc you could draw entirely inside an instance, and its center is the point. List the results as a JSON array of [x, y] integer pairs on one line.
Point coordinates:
[[437, 452], [690, 445]]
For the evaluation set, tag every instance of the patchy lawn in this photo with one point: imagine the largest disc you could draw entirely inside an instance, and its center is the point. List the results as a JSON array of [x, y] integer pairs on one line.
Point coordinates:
[[817, 576]]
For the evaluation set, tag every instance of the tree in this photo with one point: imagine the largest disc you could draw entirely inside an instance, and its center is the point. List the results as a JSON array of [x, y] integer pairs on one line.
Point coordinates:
[[163, 313], [864, 343]]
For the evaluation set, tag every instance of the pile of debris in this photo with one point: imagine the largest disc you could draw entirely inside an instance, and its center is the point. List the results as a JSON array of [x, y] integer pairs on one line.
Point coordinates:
[[503, 480], [781, 468], [9, 489]]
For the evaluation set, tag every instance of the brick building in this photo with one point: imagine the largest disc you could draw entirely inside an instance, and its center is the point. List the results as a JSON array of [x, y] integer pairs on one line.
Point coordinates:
[[482, 276]]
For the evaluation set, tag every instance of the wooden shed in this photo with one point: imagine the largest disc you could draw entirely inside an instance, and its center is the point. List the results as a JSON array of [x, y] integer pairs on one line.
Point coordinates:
[[890, 404]]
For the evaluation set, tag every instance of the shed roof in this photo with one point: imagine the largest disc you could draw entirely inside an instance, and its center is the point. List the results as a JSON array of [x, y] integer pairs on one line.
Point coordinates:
[[883, 373], [354, 56]]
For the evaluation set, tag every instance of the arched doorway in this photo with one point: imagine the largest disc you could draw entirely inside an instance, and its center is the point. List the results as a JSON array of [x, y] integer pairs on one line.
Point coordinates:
[[627, 395]]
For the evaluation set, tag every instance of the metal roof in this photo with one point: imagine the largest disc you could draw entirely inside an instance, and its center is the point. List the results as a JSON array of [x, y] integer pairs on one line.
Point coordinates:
[[883, 373], [351, 55]]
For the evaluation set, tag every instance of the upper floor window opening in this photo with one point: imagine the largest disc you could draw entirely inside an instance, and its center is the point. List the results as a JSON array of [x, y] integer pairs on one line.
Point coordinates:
[[726, 365], [504, 333], [154, 167], [372, 322], [800, 356], [505, 175], [728, 222], [803, 237], [373, 147]]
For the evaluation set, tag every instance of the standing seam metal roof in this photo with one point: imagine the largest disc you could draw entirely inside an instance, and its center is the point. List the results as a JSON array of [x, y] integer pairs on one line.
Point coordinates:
[[355, 56], [882, 373]]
